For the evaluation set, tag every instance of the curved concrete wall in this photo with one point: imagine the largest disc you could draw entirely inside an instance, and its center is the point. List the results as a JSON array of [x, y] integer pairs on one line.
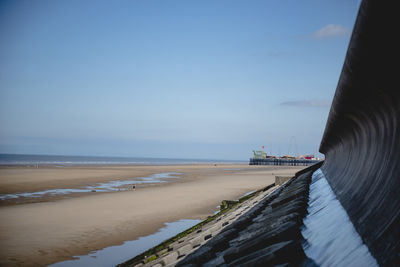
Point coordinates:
[[361, 142]]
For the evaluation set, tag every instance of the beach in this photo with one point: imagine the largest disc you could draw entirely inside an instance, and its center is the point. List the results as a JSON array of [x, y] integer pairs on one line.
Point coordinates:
[[49, 229]]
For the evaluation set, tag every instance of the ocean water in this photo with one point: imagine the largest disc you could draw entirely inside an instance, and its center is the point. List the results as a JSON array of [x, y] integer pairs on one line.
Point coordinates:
[[22, 159]]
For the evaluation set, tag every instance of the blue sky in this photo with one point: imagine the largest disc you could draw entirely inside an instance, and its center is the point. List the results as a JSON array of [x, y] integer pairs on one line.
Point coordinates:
[[180, 79]]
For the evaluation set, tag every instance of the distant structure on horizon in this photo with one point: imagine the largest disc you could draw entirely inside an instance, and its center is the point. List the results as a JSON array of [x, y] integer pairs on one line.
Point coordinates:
[[260, 157]]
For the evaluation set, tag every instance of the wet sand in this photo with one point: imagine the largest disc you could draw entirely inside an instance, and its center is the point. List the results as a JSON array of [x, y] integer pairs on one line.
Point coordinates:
[[55, 229]]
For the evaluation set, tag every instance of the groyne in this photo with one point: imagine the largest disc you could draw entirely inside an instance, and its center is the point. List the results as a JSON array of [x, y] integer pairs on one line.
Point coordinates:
[[361, 141]]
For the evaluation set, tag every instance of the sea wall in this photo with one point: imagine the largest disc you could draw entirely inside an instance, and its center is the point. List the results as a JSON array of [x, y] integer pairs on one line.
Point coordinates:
[[361, 141]]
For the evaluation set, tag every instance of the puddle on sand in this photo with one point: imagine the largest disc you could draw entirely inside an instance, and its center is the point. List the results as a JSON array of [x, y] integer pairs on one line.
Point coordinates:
[[117, 185], [218, 210], [248, 193], [331, 239], [111, 256]]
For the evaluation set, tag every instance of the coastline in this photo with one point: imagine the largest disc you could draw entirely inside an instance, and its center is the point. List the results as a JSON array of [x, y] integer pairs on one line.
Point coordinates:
[[57, 229]]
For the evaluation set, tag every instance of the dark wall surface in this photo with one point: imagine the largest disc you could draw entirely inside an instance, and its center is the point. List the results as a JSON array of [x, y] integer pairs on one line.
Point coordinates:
[[361, 142]]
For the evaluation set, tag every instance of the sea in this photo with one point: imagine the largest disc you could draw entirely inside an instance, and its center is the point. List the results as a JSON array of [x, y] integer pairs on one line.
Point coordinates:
[[60, 160]]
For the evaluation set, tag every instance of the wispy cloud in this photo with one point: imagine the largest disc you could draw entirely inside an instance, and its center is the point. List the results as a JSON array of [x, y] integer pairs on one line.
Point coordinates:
[[307, 103], [331, 30]]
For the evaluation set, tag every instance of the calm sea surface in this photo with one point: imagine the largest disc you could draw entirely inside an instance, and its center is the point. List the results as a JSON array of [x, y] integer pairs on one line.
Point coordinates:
[[21, 159]]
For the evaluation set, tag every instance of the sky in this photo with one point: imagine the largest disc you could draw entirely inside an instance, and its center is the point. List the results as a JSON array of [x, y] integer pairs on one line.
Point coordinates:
[[176, 79]]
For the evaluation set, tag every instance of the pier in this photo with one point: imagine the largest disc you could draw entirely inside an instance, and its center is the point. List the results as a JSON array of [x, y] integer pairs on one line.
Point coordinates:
[[282, 162]]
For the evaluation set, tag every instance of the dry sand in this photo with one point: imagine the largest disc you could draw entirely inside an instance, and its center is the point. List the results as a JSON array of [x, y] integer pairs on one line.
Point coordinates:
[[37, 234]]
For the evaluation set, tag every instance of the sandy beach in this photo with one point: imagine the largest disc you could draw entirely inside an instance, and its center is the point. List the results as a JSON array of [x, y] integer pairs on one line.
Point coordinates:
[[37, 232]]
